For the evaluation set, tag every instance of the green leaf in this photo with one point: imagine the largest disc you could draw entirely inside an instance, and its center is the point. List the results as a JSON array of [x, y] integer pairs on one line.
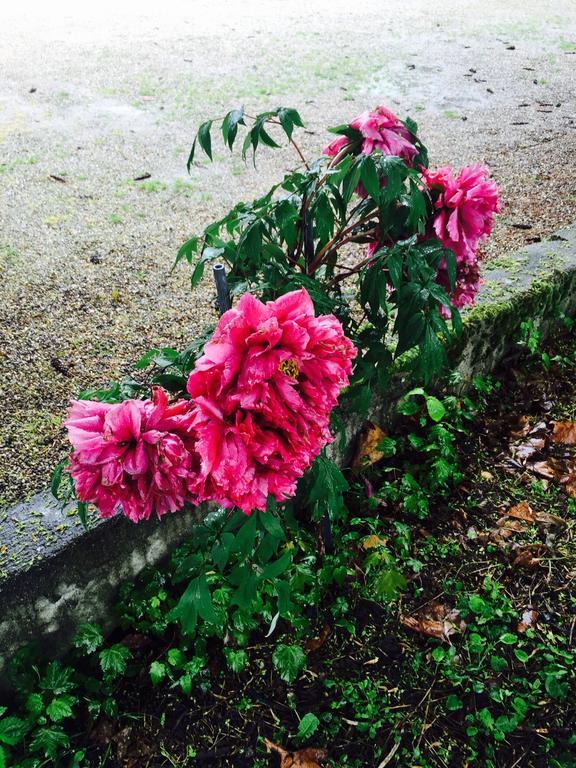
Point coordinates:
[[35, 704], [88, 638], [272, 525], [191, 156], [450, 257], [2, 757], [198, 273], [369, 177], [508, 638], [521, 655], [196, 601], [61, 707], [435, 408], [157, 672], [114, 660], [49, 741], [233, 119], [308, 726], [288, 119], [273, 570], [289, 661], [56, 679], [12, 730], [453, 703], [82, 511], [204, 138], [187, 250], [176, 658], [57, 478], [555, 688], [236, 659], [395, 264], [389, 583]]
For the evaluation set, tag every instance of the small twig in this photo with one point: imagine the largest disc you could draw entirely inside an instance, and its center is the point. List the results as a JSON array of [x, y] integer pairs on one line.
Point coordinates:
[[390, 754]]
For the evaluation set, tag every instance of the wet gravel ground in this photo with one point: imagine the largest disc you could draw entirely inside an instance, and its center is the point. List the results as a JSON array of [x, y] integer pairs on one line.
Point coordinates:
[[89, 104]]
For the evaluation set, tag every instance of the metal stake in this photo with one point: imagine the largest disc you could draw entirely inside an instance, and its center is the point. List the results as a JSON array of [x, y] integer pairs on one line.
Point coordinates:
[[222, 290]]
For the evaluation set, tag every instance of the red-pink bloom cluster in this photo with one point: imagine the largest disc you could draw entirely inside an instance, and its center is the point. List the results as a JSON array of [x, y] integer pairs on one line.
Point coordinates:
[[380, 129], [464, 207], [261, 397], [138, 455], [263, 392]]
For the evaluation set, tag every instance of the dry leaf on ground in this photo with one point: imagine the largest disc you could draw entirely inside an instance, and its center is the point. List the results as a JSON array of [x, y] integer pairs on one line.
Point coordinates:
[[435, 620], [522, 511], [367, 452], [564, 432], [529, 618], [303, 758], [315, 643]]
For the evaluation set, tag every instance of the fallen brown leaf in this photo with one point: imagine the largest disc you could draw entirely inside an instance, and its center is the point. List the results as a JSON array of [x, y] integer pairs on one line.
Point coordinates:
[[303, 758], [529, 556], [317, 642], [564, 432], [526, 450], [367, 452], [435, 620], [522, 429], [373, 541], [547, 519], [529, 618], [522, 511], [506, 526]]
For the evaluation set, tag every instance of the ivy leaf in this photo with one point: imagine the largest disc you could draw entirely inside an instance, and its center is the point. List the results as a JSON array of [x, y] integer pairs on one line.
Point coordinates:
[[236, 659], [157, 672], [435, 408], [49, 741], [289, 661], [61, 707], [12, 730], [307, 726], [114, 660], [88, 638], [35, 704]]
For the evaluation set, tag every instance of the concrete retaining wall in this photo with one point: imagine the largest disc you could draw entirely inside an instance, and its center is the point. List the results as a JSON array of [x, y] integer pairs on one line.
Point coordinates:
[[55, 575]]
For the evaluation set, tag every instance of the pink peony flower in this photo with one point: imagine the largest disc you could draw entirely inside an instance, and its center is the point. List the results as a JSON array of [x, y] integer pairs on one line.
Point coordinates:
[[138, 456], [336, 146], [465, 207], [263, 391], [382, 130], [466, 285]]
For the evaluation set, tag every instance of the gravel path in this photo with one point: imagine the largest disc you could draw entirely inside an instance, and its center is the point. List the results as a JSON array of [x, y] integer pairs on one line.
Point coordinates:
[[89, 104]]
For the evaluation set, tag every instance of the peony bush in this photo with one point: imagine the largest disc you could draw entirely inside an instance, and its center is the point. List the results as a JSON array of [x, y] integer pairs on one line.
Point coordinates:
[[350, 262]]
